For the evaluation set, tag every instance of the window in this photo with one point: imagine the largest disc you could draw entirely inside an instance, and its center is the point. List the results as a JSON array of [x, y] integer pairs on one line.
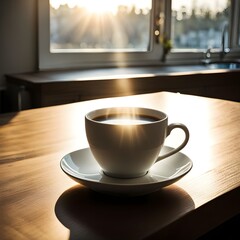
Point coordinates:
[[75, 33], [199, 24], [100, 26], [92, 33]]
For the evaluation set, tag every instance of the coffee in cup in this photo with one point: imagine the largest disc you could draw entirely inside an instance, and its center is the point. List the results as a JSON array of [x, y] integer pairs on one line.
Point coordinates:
[[127, 141]]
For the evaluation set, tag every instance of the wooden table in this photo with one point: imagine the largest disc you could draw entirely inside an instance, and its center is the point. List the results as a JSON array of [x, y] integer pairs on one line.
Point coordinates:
[[38, 201]]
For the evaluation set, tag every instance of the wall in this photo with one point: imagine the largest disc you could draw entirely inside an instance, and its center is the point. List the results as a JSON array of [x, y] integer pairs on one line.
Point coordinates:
[[18, 37]]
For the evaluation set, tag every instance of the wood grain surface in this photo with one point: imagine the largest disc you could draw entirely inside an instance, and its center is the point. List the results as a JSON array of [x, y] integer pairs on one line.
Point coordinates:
[[38, 201]]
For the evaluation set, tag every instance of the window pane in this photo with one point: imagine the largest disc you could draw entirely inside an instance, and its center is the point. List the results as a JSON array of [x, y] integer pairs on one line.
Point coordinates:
[[198, 24], [102, 26]]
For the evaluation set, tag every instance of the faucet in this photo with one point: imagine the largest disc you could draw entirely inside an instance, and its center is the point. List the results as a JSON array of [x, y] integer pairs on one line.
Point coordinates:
[[207, 56], [224, 50]]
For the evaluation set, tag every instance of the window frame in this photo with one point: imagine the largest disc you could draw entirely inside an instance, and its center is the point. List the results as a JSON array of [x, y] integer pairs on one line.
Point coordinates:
[[235, 21], [162, 10], [56, 60], [196, 56]]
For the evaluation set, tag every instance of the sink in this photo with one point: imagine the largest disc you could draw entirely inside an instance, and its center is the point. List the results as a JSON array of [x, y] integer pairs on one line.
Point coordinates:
[[224, 65]]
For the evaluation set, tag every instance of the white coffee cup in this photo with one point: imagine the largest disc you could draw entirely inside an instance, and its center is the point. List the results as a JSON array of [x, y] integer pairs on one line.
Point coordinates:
[[126, 142]]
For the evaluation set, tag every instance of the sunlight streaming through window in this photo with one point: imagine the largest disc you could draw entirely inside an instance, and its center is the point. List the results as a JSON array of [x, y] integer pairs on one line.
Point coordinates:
[[93, 25]]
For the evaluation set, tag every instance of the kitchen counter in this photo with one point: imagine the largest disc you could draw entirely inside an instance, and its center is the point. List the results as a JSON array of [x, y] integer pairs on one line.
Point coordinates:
[[48, 88]]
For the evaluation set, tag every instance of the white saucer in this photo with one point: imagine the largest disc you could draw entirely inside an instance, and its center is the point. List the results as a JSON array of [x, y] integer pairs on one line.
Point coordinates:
[[83, 168]]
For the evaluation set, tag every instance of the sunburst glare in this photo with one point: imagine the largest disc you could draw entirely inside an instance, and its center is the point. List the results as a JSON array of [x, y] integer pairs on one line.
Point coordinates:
[[100, 26], [102, 6]]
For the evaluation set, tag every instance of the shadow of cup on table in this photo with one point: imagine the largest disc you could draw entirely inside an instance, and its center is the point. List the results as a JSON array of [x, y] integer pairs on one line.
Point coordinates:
[[90, 215]]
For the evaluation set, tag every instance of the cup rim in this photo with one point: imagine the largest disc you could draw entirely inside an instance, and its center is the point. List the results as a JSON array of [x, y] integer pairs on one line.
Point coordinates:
[[159, 115]]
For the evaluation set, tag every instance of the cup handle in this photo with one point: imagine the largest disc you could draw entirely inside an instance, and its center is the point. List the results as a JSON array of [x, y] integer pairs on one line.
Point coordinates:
[[175, 150]]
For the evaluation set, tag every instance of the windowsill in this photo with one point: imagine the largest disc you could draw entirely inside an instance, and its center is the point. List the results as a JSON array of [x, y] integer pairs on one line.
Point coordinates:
[[49, 88], [116, 73]]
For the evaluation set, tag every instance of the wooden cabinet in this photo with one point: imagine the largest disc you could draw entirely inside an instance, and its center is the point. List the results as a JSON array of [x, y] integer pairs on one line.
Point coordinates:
[[42, 89]]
